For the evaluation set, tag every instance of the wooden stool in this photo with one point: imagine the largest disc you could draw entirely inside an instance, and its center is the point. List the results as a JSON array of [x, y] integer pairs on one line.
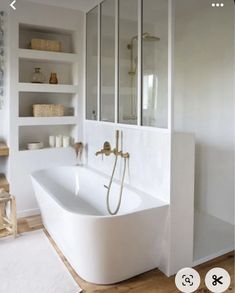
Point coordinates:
[[8, 225]]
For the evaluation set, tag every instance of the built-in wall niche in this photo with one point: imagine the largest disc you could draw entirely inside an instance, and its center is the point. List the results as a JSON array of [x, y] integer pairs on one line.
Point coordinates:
[[64, 71], [32, 134], [28, 32], [28, 99]]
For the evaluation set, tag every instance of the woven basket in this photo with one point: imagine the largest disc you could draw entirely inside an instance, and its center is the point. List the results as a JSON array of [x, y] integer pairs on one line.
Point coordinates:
[[45, 45], [48, 110]]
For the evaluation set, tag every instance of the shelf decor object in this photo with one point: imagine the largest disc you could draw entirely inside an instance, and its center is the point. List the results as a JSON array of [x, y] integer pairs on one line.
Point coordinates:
[[45, 45], [53, 78], [1, 59], [48, 110], [35, 146], [37, 76]]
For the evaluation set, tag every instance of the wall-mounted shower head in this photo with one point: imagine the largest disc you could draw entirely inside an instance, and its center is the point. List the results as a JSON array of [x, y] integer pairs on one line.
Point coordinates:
[[146, 37]]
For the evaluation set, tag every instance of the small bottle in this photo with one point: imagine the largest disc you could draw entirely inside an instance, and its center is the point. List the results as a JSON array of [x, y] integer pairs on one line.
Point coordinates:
[[93, 115], [37, 76], [53, 78]]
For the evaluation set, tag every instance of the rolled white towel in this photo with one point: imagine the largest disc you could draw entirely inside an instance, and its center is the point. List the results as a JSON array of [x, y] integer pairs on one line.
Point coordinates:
[[4, 194]]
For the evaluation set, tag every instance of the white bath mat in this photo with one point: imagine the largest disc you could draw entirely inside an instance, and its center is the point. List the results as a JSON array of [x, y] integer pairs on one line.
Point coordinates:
[[29, 264]]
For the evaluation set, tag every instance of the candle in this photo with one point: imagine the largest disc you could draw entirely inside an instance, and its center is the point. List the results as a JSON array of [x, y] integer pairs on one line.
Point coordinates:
[[58, 141], [52, 141], [66, 141]]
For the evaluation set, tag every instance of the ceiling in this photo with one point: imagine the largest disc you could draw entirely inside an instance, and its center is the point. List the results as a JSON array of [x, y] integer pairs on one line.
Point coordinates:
[[84, 5]]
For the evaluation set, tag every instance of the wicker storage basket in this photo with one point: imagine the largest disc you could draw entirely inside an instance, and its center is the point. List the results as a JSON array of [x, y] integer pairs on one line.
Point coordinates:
[[45, 45], [48, 110]]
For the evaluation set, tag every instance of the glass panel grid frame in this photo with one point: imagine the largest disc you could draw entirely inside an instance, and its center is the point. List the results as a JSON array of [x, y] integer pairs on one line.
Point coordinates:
[[142, 78]]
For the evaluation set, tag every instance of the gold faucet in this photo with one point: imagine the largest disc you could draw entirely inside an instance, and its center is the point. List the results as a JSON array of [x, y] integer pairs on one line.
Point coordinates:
[[107, 150]]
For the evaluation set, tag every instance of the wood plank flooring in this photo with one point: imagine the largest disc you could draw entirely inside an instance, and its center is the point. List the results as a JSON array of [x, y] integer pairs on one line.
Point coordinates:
[[150, 282]]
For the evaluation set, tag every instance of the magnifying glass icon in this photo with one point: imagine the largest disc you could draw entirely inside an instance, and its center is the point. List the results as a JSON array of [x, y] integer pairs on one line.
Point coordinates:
[[187, 280]]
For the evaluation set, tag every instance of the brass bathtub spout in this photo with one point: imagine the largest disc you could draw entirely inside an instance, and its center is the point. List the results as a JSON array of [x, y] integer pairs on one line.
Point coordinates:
[[107, 151]]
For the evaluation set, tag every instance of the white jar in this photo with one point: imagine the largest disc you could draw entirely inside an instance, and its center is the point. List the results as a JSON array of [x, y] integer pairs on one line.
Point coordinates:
[[58, 141], [52, 141], [66, 141]]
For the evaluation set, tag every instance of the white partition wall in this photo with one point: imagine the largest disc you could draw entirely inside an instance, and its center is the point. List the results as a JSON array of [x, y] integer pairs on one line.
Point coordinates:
[[204, 105]]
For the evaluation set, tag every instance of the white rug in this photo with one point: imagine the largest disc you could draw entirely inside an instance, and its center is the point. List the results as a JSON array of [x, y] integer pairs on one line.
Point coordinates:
[[29, 264]]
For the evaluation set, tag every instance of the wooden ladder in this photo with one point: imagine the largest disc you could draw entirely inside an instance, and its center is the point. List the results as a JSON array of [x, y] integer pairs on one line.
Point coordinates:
[[8, 224]]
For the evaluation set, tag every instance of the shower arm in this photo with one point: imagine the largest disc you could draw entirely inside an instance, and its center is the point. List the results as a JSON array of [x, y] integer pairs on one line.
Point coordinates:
[[130, 46]]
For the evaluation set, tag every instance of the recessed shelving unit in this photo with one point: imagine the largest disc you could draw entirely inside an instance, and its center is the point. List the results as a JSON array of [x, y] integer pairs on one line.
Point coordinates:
[[41, 133], [64, 71], [28, 32], [27, 99], [65, 64]]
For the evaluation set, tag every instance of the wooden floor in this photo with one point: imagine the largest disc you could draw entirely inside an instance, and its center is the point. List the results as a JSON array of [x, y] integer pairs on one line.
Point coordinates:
[[150, 282]]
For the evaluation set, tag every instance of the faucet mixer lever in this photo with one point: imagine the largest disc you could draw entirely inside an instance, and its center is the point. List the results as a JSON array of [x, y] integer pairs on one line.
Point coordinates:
[[107, 146]]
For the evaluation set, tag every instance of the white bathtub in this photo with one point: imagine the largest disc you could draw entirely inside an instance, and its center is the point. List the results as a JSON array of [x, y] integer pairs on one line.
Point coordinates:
[[102, 249]]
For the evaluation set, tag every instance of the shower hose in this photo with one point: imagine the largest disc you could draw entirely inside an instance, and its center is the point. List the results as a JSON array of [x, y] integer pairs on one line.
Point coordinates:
[[121, 189]]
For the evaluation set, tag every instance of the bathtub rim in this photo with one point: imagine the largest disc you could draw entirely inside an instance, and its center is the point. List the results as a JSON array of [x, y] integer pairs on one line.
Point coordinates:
[[140, 193]]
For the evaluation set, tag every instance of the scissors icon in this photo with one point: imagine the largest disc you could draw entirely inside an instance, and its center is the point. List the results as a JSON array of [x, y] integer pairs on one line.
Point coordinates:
[[216, 280]]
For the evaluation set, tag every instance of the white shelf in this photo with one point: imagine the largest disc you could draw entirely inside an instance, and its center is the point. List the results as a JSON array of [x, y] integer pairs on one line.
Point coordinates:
[[47, 149], [47, 56], [47, 88], [31, 121]]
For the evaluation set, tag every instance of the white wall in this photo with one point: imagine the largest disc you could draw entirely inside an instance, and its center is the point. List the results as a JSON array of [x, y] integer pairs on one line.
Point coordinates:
[[3, 6], [4, 112], [149, 150], [204, 77]]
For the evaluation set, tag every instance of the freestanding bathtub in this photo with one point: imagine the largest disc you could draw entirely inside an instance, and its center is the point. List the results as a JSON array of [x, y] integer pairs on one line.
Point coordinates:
[[102, 249]]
